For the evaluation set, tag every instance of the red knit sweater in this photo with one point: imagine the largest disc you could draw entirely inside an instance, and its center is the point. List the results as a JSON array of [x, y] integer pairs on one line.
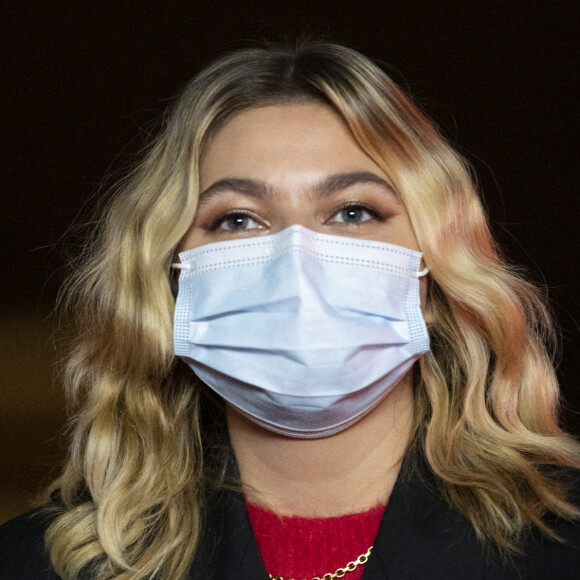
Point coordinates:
[[297, 547]]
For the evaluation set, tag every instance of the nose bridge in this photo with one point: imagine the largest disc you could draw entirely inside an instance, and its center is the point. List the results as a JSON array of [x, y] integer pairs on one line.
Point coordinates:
[[297, 209], [298, 220]]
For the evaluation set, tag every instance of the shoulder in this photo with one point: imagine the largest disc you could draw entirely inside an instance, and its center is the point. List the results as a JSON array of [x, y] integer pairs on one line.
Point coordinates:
[[542, 557], [418, 519], [563, 555], [22, 552]]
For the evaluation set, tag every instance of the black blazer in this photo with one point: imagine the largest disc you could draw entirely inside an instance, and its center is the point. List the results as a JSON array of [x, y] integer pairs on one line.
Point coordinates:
[[420, 538]]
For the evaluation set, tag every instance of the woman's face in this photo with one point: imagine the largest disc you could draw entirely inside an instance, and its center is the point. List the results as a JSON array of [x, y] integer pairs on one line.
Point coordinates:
[[272, 167]]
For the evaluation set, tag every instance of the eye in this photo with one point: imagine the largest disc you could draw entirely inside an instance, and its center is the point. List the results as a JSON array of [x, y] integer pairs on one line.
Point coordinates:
[[235, 222], [354, 214]]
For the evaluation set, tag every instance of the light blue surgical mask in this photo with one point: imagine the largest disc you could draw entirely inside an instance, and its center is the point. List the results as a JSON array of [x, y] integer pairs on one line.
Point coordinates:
[[303, 333]]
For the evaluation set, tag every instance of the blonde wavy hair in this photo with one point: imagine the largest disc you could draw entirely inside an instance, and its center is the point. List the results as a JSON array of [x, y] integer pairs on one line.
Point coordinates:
[[147, 449]]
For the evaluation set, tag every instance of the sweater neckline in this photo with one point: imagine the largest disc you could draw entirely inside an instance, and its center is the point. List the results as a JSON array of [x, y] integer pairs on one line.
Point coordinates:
[[304, 547]]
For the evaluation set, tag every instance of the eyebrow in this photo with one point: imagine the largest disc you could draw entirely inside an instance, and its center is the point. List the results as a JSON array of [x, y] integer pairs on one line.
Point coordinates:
[[324, 188]]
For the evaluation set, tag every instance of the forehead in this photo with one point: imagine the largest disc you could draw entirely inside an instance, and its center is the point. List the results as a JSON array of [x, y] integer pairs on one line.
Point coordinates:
[[278, 140]]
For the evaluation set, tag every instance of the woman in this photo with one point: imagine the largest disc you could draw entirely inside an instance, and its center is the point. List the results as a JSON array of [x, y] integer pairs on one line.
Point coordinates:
[[371, 396]]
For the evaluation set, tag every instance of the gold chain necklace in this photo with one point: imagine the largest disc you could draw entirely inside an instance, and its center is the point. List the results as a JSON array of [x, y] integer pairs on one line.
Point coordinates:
[[340, 573]]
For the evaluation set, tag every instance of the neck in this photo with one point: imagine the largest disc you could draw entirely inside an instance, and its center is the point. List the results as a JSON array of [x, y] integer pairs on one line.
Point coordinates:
[[349, 472]]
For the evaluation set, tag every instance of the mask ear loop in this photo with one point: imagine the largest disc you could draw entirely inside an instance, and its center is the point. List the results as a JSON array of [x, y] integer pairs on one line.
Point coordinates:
[[174, 275], [423, 272]]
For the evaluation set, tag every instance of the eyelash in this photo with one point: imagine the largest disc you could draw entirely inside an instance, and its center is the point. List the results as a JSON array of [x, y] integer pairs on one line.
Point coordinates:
[[216, 224], [358, 205]]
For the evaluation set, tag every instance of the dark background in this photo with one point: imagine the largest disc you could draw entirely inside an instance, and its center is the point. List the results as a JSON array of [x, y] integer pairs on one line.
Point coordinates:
[[86, 82]]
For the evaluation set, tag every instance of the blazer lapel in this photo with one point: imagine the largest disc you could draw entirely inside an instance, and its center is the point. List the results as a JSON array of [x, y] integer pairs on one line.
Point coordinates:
[[227, 549], [420, 536]]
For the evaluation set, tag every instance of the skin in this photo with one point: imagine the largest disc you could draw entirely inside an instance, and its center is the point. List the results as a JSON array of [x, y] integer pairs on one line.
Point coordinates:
[[267, 169]]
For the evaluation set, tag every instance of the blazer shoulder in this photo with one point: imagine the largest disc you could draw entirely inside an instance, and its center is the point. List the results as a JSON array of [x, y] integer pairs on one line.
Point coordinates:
[[569, 530], [557, 559], [22, 552]]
